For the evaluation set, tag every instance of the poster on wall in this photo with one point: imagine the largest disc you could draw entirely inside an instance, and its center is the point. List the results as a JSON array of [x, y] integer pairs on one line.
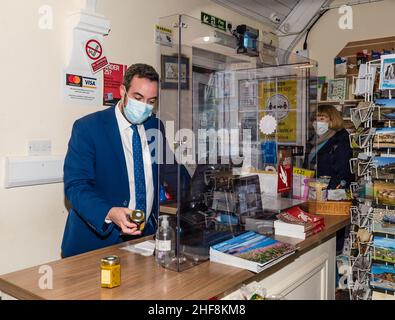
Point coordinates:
[[278, 98], [113, 77], [387, 73], [80, 88]]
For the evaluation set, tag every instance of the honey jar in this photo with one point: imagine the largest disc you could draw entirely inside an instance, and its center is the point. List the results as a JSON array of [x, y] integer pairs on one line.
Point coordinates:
[[110, 272], [138, 217]]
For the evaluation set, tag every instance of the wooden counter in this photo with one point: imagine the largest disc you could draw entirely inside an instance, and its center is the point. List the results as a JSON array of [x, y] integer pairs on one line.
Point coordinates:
[[79, 277]]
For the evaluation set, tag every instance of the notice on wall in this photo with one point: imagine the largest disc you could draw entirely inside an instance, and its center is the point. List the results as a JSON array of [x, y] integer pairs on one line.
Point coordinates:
[[278, 98], [80, 88], [94, 53], [163, 36], [113, 78]]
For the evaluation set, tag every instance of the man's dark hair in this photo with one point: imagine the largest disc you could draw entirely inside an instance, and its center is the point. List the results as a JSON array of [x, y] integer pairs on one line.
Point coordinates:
[[140, 70]]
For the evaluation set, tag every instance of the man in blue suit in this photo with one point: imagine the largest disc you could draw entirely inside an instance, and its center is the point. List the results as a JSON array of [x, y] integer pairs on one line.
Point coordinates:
[[111, 167]]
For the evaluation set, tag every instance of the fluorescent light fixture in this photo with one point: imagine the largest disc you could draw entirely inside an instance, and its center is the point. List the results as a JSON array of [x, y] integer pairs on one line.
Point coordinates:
[[206, 39]]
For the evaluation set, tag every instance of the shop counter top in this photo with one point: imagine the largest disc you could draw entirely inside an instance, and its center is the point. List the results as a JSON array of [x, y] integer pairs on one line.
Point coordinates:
[[78, 277]]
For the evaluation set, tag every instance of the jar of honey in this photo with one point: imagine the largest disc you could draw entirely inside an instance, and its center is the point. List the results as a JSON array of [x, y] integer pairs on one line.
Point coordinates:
[[110, 272], [138, 217]]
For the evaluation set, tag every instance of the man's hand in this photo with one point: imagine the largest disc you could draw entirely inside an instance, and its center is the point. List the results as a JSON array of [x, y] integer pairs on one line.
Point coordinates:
[[120, 217]]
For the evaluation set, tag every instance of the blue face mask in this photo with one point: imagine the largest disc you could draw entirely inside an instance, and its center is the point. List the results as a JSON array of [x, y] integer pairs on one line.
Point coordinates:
[[137, 112]]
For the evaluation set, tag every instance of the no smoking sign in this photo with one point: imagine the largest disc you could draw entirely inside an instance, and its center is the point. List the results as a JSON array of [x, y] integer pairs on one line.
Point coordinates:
[[93, 49], [94, 52]]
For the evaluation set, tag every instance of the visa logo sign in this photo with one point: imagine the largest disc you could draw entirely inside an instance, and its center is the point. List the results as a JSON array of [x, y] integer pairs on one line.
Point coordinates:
[[89, 82]]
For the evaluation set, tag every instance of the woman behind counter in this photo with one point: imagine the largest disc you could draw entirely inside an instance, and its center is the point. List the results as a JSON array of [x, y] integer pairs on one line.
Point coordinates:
[[330, 150]]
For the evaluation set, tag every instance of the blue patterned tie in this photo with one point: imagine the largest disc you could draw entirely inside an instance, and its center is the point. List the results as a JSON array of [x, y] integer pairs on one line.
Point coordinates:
[[139, 177]]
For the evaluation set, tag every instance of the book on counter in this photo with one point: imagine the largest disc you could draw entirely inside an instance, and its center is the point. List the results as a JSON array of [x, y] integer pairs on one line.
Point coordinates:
[[251, 251], [297, 223]]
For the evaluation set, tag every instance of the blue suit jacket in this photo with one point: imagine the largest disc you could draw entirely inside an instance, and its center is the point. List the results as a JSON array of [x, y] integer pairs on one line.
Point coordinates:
[[96, 179]]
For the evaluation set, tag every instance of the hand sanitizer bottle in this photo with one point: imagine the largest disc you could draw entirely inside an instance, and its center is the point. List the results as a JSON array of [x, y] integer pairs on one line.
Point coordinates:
[[164, 242]]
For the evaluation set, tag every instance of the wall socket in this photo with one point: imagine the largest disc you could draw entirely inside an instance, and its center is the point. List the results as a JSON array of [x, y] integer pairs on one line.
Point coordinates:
[[39, 147]]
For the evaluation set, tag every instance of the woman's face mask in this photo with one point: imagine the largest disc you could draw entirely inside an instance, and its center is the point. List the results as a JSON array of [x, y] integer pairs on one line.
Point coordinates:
[[320, 127], [136, 111]]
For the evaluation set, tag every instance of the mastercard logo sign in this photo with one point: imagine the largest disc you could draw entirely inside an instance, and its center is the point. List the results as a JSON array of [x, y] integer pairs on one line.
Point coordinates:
[[74, 80]]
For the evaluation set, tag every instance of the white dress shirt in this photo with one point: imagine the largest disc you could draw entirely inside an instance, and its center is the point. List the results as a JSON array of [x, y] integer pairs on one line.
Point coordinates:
[[126, 133]]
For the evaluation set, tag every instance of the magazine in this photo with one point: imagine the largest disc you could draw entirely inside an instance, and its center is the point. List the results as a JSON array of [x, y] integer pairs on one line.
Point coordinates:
[[251, 251], [296, 215], [384, 249], [297, 223]]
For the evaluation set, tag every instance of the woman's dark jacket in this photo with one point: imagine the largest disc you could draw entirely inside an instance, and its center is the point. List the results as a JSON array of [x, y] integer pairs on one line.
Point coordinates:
[[334, 160]]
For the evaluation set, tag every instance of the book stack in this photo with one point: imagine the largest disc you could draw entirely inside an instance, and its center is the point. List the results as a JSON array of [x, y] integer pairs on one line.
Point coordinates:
[[297, 223], [251, 251]]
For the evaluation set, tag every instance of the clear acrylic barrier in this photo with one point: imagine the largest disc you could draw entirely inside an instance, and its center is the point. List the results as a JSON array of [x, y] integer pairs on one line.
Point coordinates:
[[236, 126]]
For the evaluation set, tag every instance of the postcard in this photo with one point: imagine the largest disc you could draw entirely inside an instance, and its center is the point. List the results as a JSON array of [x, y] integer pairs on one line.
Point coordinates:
[[384, 221], [384, 249], [383, 277], [387, 73], [385, 109], [384, 192], [383, 167], [384, 138]]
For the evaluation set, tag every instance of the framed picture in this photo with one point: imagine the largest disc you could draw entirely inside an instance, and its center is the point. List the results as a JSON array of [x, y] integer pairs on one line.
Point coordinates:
[[169, 67], [337, 89], [387, 73]]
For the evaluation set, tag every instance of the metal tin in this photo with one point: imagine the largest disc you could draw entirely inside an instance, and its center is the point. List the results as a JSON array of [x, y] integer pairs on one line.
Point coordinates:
[[110, 272], [138, 217]]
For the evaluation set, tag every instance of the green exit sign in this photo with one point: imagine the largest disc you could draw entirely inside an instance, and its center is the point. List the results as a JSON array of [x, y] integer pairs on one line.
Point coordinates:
[[213, 21]]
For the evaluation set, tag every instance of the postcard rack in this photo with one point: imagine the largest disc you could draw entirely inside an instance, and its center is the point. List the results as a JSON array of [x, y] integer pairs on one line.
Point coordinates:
[[362, 233], [360, 254]]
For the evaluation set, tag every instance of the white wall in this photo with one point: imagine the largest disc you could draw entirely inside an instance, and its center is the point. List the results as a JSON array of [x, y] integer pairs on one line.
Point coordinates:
[[32, 218], [370, 21]]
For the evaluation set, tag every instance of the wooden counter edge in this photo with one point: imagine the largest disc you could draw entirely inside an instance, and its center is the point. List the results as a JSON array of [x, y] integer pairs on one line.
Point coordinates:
[[17, 292]]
